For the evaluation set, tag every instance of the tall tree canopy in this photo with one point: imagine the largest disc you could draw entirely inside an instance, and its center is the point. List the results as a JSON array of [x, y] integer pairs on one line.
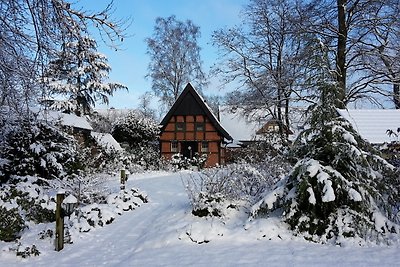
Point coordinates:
[[31, 34], [175, 58], [355, 33], [272, 53], [79, 74], [263, 55]]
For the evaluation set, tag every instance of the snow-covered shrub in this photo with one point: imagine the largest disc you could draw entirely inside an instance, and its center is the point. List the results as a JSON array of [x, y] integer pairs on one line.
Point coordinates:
[[258, 151], [219, 188], [35, 147], [21, 200], [135, 129], [88, 188], [140, 134], [11, 223], [95, 215], [179, 162], [25, 251], [339, 186]]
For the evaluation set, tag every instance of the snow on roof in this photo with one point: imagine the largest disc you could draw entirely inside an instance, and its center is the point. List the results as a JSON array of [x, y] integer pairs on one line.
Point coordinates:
[[106, 140], [244, 128], [239, 126], [372, 124], [114, 111], [66, 119]]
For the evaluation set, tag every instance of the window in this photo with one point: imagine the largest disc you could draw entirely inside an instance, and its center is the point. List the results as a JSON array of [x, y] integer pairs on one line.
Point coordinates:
[[273, 128], [204, 146], [180, 126], [174, 146], [199, 126]]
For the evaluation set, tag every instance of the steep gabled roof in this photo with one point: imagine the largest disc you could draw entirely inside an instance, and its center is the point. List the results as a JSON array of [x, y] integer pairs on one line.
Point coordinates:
[[190, 102]]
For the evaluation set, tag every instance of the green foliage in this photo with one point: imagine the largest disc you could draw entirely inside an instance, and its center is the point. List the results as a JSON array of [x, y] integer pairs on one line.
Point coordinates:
[[23, 200], [340, 186], [34, 147], [11, 224], [28, 252], [135, 130]]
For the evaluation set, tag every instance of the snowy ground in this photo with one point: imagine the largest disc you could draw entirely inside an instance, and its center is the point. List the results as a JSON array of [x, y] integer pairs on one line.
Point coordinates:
[[160, 233]]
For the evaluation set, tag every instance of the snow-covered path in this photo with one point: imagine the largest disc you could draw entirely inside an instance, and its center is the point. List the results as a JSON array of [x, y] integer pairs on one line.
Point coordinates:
[[154, 235]]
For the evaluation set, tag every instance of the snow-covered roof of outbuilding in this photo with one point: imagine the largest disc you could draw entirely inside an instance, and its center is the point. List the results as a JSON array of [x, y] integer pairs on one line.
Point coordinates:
[[372, 124], [66, 119], [107, 141], [244, 128], [240, 127]]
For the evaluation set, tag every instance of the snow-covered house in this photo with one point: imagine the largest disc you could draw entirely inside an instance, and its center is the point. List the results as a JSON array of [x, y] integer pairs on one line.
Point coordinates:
[[190, 128], [373, 124]]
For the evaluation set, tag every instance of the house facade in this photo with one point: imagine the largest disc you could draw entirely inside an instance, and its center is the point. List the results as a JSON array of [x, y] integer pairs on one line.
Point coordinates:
[[191, 129]]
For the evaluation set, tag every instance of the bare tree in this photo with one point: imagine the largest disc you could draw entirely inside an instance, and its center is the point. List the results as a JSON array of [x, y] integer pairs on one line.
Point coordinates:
[[145, 105], [263, 57], [175, 58], [348, 30], [381, 53]]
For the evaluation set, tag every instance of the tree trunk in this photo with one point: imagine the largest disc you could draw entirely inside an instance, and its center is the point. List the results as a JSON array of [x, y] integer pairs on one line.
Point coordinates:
[[341, 53], [396, 95]]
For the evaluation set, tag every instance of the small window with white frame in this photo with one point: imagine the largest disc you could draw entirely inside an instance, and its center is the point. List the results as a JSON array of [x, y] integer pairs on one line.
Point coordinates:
[[199, 126], [174, 146], [204, 146]]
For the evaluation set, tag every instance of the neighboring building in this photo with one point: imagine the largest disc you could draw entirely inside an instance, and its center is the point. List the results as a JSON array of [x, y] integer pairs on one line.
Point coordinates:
[[190, 128], [373, 124], [73, 124], [259, 125]]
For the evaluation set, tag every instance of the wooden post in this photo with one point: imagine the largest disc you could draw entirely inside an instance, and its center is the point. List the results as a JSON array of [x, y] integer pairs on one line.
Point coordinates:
[[123, 179], [59, 222]]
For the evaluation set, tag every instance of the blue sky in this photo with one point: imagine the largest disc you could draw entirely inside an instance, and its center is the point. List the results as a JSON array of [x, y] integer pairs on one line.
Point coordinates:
[[129, 65]]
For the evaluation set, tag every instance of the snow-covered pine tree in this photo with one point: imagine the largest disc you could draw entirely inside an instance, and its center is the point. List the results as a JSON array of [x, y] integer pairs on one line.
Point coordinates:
[[79, 73], [340, 187]]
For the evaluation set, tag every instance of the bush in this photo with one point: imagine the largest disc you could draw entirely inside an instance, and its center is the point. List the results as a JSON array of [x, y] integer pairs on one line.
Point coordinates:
[[179, 162], [140, 134], [33, 147], [219, 188], [11, 224], [135, 130], [22, 199]]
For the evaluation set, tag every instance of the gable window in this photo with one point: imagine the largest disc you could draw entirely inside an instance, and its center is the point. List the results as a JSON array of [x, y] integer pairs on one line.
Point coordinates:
[[199, 126], [180, 127], [204, 146], [174, 146]]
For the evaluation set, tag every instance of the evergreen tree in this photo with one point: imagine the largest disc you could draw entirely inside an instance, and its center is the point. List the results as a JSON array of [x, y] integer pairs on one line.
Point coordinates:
[[79, 74], [339, 187]]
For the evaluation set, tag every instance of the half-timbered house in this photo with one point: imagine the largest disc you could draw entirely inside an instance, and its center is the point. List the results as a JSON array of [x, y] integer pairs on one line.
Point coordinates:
[[190, 128]]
